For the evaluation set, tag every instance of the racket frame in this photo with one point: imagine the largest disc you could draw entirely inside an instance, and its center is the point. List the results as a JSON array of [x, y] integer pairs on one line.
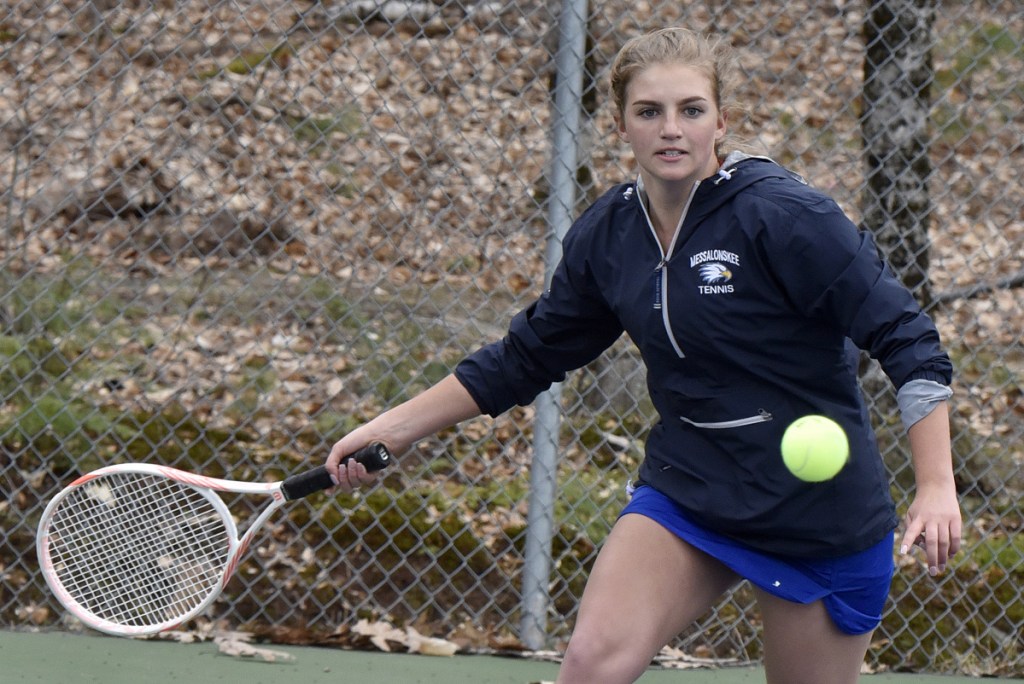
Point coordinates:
[[208, 488]]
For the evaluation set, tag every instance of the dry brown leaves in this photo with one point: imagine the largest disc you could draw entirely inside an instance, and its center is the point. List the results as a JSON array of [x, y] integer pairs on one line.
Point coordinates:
[[162, 139]]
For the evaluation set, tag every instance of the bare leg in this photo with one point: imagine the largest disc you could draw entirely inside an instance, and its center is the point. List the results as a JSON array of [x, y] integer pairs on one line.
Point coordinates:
[[803, 646], [646, 586]]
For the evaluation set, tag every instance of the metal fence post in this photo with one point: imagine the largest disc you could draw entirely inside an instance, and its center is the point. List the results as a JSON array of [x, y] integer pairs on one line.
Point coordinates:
[[566, 121]]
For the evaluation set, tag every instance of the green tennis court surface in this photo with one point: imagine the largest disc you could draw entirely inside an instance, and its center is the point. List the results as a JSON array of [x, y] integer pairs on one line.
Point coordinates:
[[60, 657]]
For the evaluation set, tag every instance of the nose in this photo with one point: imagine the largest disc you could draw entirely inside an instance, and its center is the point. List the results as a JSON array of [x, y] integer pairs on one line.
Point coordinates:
[[671, 128]]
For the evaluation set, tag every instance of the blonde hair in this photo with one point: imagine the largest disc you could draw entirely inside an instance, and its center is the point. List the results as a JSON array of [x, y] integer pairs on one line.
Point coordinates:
[[713, 56]]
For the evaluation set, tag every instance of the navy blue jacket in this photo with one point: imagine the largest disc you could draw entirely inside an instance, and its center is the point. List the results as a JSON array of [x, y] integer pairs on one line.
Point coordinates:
[[750, 320]]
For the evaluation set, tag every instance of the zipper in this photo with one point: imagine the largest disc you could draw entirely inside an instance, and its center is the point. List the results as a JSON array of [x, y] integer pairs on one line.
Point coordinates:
[[660, 298], [761, 417], [666, 322], [658, 284]]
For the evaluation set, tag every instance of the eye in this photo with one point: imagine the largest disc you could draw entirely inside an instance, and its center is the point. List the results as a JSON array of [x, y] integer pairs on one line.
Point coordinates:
[[693, 111], [647, 112]]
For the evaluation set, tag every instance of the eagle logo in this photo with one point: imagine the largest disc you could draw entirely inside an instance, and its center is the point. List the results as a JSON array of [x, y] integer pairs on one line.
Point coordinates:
[[715, 273]]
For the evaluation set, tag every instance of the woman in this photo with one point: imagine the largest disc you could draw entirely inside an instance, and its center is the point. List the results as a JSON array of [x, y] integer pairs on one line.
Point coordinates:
[[747, 293]]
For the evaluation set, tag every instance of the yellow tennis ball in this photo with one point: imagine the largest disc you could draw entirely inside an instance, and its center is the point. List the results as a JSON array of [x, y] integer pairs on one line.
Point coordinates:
[[815, 448]]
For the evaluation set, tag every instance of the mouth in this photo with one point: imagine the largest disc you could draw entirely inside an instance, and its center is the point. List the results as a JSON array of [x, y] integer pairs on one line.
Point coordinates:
[[671, 153]]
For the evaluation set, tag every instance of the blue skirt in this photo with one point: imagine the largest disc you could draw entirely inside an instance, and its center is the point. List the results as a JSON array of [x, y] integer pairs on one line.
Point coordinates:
[[854, 588]]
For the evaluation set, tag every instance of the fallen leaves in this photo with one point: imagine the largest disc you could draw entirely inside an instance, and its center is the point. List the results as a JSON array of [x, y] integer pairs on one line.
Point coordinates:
[[238, 645], [388, 638], [189, 156]]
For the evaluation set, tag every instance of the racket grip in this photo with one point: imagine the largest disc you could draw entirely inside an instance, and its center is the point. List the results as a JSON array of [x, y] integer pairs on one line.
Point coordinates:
[[374, 456]]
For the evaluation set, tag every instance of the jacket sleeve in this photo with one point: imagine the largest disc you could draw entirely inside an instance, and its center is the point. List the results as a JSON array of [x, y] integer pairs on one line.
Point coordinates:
[[843, 280], [566, 328]]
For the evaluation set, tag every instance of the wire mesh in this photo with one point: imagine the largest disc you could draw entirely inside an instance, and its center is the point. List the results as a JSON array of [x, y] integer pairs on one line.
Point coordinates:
[[235, 230]]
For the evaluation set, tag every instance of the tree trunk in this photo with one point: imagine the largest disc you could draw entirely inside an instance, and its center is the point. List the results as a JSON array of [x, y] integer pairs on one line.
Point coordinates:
[[897, 80], [896, 206]]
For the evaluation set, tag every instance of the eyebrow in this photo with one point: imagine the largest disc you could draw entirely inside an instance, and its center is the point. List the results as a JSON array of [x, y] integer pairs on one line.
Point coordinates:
[[685, 100]]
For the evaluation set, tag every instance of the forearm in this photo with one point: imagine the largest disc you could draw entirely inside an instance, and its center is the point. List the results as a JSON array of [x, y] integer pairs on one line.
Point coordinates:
[[438, 407], [930, 449], [434, 409]]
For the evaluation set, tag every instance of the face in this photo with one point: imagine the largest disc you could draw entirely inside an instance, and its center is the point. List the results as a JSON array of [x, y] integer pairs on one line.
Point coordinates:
[[672, 123]]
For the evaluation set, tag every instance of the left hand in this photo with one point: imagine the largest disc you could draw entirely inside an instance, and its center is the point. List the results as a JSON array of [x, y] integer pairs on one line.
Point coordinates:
[[934, 523]]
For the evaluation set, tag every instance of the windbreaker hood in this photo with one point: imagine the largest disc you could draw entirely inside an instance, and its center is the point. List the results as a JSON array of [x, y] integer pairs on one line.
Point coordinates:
[[738, 172]]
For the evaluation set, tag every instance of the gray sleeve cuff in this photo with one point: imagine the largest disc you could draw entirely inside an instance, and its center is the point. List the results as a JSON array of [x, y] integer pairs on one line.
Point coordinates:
[[918, 398]]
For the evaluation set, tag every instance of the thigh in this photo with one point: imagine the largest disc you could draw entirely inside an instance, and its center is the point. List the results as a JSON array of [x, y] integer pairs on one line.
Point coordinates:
[[646, 586], [802, 645]]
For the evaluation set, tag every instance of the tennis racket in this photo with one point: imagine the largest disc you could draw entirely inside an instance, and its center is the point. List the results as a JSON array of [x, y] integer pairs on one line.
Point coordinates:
[[137, 549]]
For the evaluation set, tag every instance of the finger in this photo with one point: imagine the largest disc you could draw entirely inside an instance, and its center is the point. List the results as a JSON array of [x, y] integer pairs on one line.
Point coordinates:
[[333, 461], [931, 546], [360, 472], [911, 536], [942, 547], [344, 482], [354, 474], [954, 537]]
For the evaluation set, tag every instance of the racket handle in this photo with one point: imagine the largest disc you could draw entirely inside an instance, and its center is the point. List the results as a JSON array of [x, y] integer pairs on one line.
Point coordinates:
[[374, 456]]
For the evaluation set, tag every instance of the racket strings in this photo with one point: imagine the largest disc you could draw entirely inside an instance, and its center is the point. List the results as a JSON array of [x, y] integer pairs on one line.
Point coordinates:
[[138, 549]]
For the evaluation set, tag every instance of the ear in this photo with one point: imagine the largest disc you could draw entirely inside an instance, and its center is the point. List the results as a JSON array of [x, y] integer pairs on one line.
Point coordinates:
[[723, 125], [620, 129]]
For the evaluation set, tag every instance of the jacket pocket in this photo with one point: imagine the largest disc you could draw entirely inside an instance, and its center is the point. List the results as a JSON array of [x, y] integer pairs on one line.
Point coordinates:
[[761, 417]]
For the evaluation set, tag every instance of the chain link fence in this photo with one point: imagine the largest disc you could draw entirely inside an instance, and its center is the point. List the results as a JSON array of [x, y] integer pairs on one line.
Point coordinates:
[[235, 229]]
